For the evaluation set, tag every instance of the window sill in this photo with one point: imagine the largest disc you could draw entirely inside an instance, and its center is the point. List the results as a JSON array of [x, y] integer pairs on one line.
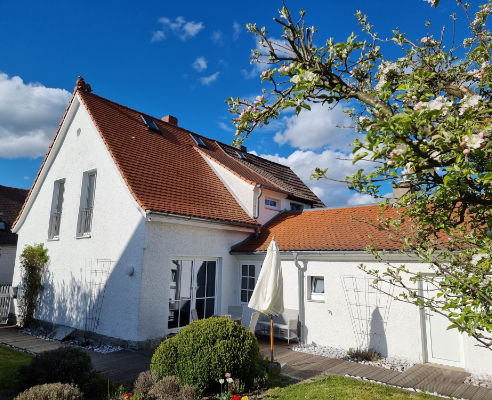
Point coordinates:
[[86, 236], [316, 300], [272, 208], [53, 239]]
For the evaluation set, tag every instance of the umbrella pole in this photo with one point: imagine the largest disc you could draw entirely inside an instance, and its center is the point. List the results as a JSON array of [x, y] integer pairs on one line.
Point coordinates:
[[271, 339]]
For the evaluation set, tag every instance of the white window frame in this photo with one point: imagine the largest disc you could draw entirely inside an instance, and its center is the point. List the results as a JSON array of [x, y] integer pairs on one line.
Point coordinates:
[[241, 276], [56, 209], [315, 296], [85, 208]]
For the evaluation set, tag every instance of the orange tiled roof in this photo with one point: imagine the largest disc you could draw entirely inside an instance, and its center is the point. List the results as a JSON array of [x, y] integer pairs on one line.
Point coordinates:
[[163, 171], [337, 229]]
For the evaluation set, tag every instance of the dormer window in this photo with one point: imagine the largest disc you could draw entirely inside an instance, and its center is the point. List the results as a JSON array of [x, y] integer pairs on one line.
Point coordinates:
[[272, 203], [296, 207]]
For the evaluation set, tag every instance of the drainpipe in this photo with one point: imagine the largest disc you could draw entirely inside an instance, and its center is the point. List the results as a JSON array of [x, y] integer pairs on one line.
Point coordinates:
[[257, 210], [300, 294]]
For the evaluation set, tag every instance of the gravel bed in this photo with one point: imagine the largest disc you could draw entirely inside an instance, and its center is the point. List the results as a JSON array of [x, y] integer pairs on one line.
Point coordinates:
[[395, 364], [483, 380], [44, 334]]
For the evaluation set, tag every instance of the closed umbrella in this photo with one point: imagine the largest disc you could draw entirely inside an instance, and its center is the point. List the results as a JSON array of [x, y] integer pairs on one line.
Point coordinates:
[[267, 297]]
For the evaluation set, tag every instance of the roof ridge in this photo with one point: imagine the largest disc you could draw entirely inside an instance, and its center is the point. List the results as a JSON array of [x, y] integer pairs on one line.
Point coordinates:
[[254, 155]]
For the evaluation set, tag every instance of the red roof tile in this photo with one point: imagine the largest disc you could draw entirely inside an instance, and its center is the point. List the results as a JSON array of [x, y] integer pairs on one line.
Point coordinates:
[[162, 170], [338, 229]]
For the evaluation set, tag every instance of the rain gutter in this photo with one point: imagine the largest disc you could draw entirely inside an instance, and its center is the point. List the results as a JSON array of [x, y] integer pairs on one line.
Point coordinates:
[[300, 295]]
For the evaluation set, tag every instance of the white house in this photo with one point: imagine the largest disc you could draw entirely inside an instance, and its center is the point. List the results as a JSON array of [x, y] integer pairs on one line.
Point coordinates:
[[145, 221]]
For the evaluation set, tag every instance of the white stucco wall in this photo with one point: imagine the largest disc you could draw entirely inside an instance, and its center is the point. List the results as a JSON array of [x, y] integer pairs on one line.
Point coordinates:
[[7, 261], [242, 191], [170, 240], [99, 265], [330, 322]]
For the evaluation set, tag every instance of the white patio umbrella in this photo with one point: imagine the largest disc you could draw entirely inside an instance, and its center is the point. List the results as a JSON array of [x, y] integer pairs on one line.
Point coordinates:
[[267, 297]]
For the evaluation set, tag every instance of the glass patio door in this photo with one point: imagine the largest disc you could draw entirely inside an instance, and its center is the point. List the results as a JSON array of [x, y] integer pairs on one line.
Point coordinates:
[[192, 288]]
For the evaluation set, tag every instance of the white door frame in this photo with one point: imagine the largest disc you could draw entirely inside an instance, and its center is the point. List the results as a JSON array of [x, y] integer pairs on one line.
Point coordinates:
[[426, 340], [258, 264], [197, 261]]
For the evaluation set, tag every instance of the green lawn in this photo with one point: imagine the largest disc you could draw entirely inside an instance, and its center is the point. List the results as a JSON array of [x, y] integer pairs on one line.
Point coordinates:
[[342, 388], [10, 362]]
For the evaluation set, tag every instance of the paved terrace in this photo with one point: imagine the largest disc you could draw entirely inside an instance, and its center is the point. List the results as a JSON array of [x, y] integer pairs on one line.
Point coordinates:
[[124, 366]]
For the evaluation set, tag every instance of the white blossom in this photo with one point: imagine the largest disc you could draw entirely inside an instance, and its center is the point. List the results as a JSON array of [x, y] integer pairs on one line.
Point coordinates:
[[400, 149], [438, 103], [468, 102], [309, 76], [473, 142], [295, 79], [408, 169]]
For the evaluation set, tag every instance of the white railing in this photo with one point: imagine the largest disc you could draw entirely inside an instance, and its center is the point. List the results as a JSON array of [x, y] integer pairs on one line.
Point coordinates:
[[85, 221], [55, 220], [5, 299]]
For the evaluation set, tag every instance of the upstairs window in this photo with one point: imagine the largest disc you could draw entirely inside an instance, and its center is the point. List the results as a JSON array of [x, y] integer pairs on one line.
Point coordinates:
[[150, 123], [56, 209], [272, 203], [84, 225], [198, 140], [296, 207]]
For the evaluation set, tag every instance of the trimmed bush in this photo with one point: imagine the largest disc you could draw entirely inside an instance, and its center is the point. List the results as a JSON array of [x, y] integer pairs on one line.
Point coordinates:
[[65, 365], [51, 391], [364, 354], [202, 352]]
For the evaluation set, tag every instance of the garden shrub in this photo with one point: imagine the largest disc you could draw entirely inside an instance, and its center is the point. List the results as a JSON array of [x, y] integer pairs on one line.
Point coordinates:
[[187, 392], [202, 352], [364, 354], [65, 365], [144, 383], [165, 389], [33, 261], [51, 391]]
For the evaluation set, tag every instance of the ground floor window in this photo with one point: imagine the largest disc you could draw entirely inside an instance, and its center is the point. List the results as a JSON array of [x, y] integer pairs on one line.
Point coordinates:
[[248, 281], [192, 290]]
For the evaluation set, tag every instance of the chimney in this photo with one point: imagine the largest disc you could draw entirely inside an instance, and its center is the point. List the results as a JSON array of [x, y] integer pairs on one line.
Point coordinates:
[[400, 189], [241, 148], [170, 120]]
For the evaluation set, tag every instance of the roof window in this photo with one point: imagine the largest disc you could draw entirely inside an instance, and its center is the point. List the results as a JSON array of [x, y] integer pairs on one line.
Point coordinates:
[[241, 155], [198, 140], [150, 123]]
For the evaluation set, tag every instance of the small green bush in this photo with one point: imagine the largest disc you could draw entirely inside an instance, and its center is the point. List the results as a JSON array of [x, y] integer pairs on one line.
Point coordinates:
[[364, 354], [51, 391], [65, 365], [202, 352]]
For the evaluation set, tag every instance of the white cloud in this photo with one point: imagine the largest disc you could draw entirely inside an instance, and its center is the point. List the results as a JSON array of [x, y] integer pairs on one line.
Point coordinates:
[[236, 30], [200, 64], [317, 128], [207, 80], [333, 194], [226, 127], [29, 116], [180, 27], [157, 36], [218, 38]]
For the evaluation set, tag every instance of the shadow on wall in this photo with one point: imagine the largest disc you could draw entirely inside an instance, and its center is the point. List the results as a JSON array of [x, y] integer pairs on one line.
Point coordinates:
[[377, 335], [103, 298]]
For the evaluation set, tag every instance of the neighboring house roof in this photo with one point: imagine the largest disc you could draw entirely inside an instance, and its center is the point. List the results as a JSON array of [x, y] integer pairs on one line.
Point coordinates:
[[337, 229], [11, 200]]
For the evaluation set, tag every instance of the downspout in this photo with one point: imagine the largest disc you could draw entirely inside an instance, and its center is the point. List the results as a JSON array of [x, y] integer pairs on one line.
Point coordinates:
[[300, 295], [257, 203]]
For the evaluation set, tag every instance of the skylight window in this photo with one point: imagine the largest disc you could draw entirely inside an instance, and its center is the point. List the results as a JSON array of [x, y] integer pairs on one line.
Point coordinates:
[[241, 155], [150, 123], [198, 140]]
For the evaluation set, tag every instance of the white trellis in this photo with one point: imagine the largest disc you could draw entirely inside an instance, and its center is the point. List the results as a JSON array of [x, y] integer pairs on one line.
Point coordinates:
[[5, 299], [96, 277], [368, 309]]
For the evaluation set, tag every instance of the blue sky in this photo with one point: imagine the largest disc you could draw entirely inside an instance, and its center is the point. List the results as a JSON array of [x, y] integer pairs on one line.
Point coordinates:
[[179, 58]]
